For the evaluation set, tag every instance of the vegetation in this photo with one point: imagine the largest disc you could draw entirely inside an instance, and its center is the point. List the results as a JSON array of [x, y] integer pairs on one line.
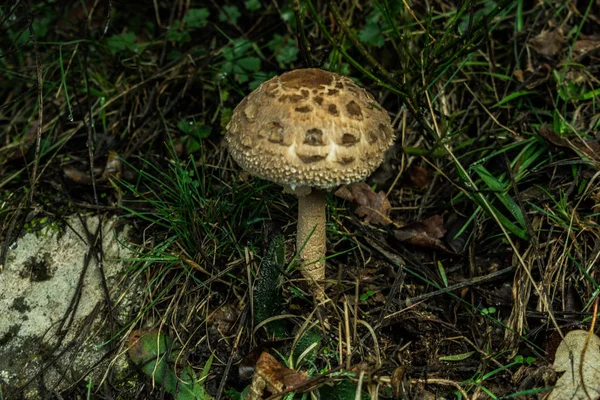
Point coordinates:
[[490, 253]]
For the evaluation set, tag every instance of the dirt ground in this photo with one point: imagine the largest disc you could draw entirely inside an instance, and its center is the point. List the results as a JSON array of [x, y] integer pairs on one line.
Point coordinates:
[[454, 271]]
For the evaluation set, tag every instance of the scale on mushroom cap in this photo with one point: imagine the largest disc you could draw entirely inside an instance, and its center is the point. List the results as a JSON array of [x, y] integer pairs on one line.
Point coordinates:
[[310, 130]]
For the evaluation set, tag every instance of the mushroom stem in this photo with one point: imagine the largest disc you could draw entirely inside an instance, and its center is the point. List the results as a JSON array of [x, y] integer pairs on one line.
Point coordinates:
[[311, 242]]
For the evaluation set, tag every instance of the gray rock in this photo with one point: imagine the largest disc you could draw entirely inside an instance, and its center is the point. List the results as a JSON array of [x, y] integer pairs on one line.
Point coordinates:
[[51, 337]]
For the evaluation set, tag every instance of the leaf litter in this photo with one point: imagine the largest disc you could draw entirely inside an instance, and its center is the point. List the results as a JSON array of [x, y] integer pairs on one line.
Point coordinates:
[[578, 356], [373, 207]]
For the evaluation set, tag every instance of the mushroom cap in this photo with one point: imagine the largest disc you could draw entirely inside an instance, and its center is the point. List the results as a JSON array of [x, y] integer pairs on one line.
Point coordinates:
[[309, 127]]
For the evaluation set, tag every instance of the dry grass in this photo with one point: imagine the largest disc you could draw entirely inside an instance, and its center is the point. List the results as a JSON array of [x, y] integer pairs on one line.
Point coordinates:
[[496, 117]]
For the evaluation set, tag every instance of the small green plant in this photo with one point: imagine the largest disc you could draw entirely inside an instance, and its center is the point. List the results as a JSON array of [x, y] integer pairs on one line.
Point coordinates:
[[252, 5], [125, 41], [189, 208], [267, 288], [284, 48], [344, 390], [307, 347], [480, 378], [195, 131], [382, 18], [238, 61], [230, 14], [156, 355], [180, 31], [196, 18], [488, 311], [367, 295]]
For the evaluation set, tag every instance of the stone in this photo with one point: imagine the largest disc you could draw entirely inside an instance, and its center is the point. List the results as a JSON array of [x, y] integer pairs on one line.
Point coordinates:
[[51, 337]]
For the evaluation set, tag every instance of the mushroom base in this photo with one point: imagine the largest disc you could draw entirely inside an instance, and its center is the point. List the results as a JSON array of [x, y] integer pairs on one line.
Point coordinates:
[[311, 239]]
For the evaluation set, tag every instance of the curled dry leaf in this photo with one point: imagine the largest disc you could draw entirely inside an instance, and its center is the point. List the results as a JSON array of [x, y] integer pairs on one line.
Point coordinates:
[[589, 148], [80, 176], [375, 207], [534, 77], [426, 233], [548, 43], [584, 46], [272, 376], [397, 380], [248, 363], [112, 168], [518, 73], [578, 356]]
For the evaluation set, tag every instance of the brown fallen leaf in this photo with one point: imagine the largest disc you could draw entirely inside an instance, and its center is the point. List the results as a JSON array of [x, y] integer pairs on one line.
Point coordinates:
[[272, 376], [375, 207], [548, 43], [426, 233], [19, 148], [418, 176], [224, 318], [82, 176], [584, 46], [534, 77], [587, 148], [147, 344], [248, 364], [398, 380], [112, 168], [578, 356], [136, 352], [518, 73]]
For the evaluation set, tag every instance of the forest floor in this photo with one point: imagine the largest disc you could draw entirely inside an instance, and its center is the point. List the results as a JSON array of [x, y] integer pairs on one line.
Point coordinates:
[[455, 272]]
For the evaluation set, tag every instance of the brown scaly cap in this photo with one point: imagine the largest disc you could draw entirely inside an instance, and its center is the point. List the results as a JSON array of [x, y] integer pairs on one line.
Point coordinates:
[[309, 127]]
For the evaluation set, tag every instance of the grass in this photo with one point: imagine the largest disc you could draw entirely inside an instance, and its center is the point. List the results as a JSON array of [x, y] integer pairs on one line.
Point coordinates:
[[501, 119]]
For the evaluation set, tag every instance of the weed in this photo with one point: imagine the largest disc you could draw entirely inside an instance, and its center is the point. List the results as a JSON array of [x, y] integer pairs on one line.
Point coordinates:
[[495, 101]]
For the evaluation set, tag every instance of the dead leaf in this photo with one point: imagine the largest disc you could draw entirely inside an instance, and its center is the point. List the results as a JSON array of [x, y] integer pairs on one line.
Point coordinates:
[[248, 363], [548, 43], [145, 345], [585, 46], [518, 73], [423, 394], [82, 176], [274, 377], [426, 233], [588, 148], [537, 76], [375, 207], [418, 176], [578, 356], [136, 352], [19, 148], [112, 168], [224, 318], [79, 14], [397, 380]]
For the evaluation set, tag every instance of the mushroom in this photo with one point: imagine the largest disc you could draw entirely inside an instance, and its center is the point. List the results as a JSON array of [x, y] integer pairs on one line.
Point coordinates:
[[309, 130]]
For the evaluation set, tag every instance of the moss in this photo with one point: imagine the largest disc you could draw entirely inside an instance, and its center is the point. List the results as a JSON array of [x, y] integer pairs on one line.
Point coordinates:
[[20, 304], [13, 330], [37, 269]]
